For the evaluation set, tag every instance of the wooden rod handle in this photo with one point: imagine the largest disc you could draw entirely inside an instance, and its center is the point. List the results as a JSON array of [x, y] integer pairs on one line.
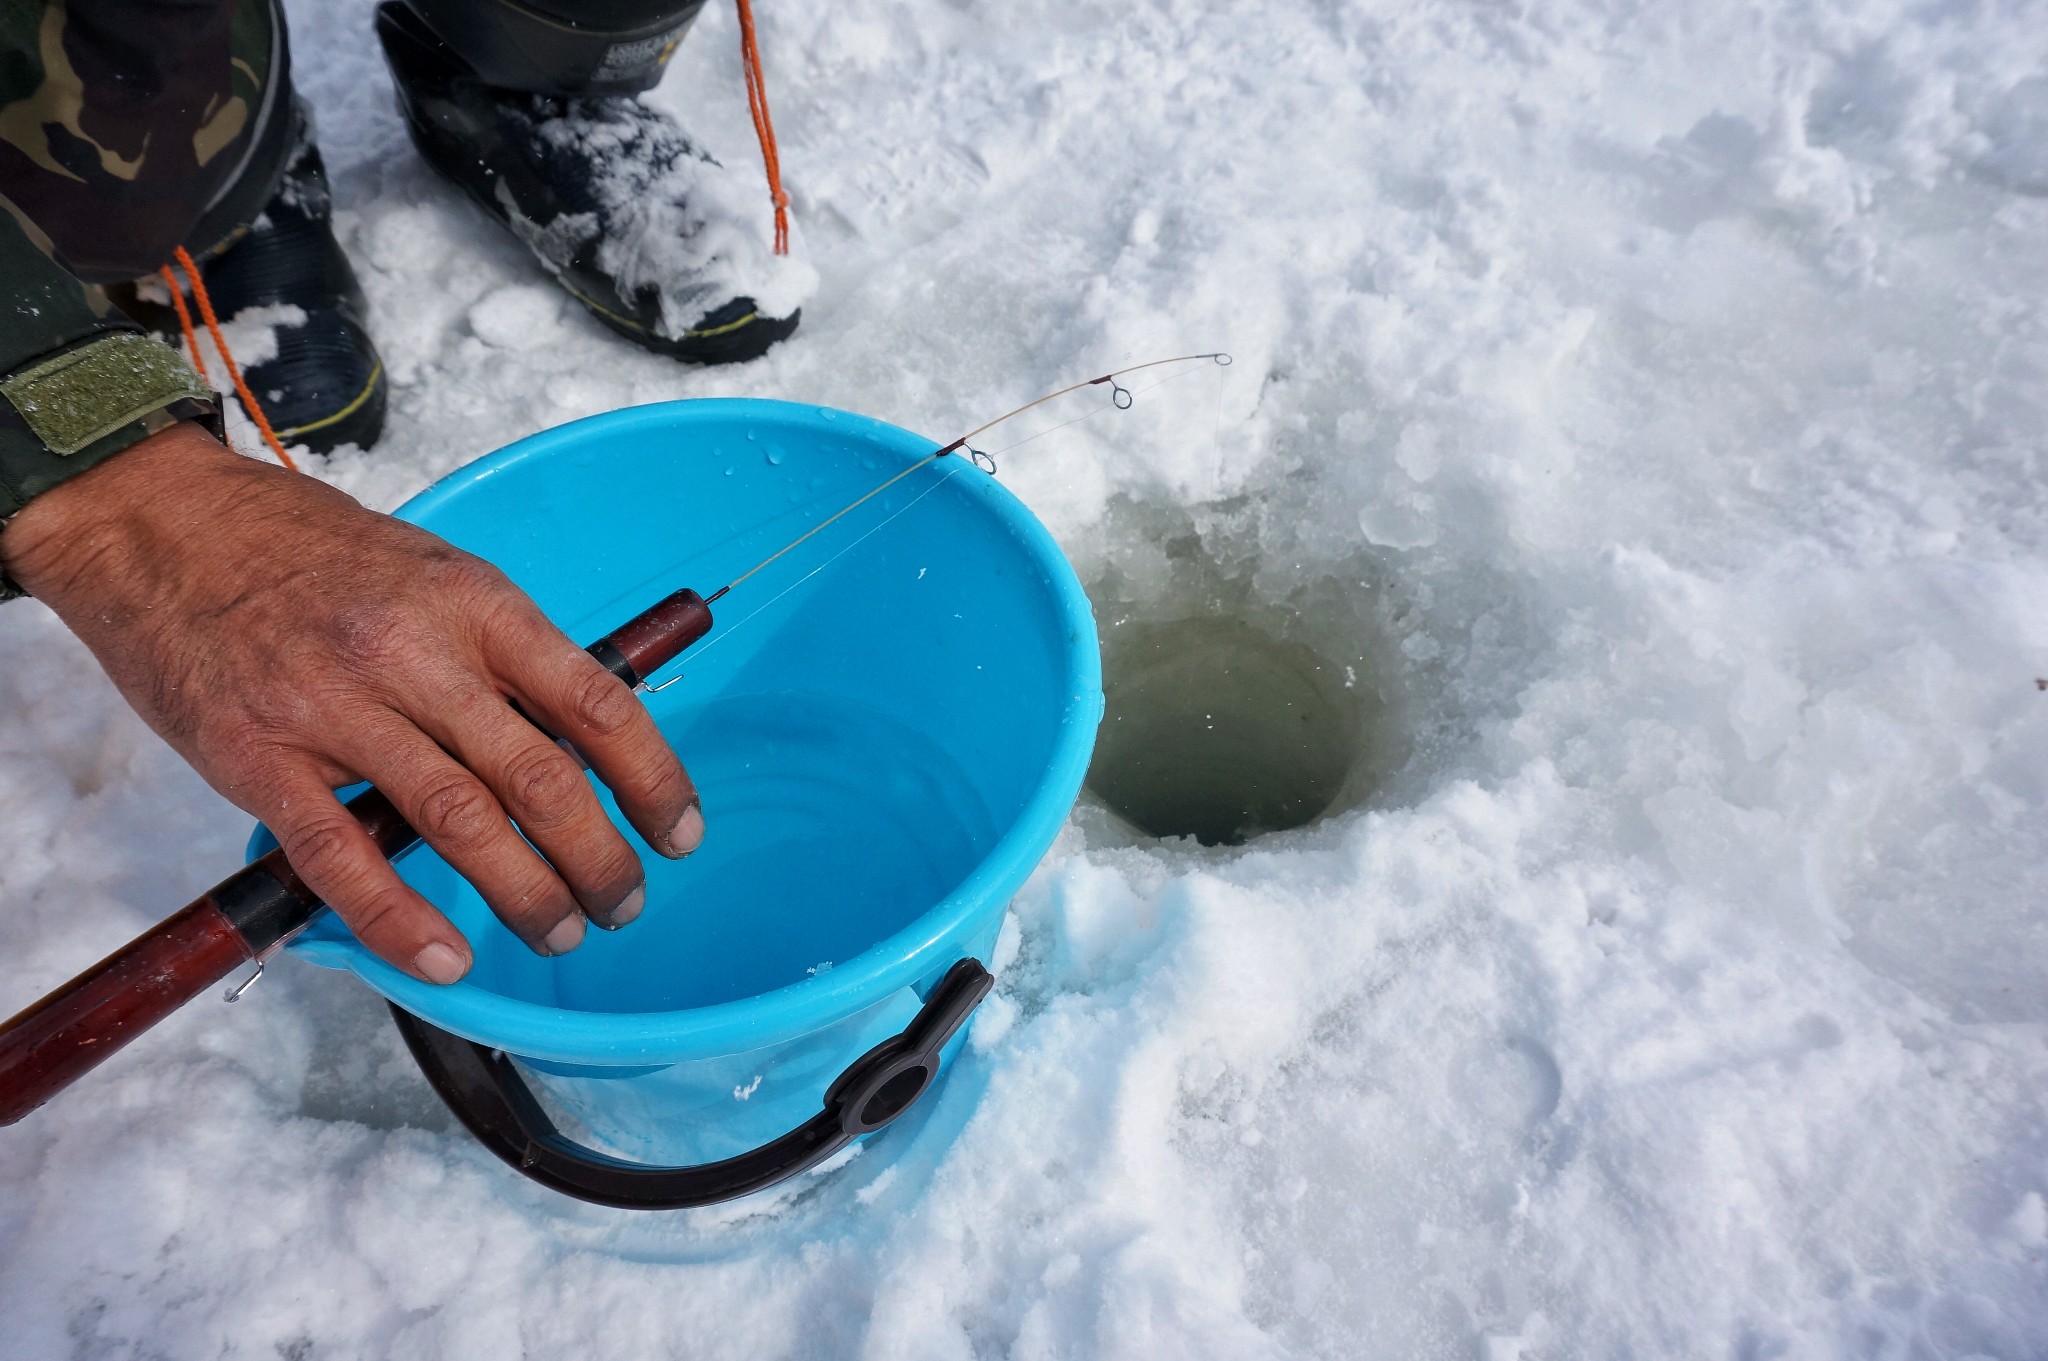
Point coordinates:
[[649, 640], [67, 1034]]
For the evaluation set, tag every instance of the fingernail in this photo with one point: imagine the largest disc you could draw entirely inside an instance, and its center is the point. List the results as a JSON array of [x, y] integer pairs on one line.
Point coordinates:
[[688, 833], [567, 935], [441, 964], [628, 908]]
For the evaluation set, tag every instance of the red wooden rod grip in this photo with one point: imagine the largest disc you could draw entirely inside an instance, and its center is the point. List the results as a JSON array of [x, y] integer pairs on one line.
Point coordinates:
[[656, 636], [67, 1034], [64, 1036]]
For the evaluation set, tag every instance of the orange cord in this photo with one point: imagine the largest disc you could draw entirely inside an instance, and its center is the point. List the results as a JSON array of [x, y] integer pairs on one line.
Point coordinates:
[[764, 127], [220, 342], [185, 322]]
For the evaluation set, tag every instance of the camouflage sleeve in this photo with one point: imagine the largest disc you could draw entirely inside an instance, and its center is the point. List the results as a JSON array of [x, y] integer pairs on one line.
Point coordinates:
[[125, 129], [81, 382]]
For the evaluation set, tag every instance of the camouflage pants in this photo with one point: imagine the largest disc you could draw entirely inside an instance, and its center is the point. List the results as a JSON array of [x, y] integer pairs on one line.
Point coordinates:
[[131, 127]]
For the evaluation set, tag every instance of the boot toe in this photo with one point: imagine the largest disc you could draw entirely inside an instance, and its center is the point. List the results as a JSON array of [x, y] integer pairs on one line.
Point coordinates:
[[325, 386], [730, 334]]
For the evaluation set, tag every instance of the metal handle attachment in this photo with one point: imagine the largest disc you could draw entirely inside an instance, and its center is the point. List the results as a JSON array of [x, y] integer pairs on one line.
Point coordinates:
[[494, 1103]]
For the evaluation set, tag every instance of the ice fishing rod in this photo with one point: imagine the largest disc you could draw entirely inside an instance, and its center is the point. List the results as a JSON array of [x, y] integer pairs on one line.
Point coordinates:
[[1120, 398], [254, 911]]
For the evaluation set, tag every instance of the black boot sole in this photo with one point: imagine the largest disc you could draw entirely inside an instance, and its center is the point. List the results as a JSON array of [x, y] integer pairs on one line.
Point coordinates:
[[360, 422], [749, 335]]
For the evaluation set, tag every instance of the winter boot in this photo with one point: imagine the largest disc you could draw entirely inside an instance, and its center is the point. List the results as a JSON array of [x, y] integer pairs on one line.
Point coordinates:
[[324, 386], [649, 233]]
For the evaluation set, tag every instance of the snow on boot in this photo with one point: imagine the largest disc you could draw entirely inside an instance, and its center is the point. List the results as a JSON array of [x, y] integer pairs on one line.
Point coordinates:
[[658, 240], [322, 385]]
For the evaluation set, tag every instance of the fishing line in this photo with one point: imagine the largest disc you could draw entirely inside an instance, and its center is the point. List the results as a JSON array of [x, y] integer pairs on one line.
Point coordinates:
[[730, 629], [1119, 396], [1091, 411], [1216, 435], [829, 519], [1096, 411]]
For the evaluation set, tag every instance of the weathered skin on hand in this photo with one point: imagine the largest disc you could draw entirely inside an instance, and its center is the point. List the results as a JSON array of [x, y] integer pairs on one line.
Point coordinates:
[[287, 641]]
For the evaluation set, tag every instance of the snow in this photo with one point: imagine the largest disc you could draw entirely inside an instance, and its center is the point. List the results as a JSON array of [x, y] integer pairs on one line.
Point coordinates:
[[673, 220], [1649, 397]]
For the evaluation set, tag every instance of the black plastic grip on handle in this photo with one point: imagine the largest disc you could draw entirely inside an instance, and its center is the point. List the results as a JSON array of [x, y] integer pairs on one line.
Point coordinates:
[[494, 1103]]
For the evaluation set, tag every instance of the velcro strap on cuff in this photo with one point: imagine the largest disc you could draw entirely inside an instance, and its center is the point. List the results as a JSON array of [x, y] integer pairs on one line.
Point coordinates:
[[88, 393]]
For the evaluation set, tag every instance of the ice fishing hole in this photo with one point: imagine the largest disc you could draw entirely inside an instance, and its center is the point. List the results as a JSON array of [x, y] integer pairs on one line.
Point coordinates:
[[1215, 729]]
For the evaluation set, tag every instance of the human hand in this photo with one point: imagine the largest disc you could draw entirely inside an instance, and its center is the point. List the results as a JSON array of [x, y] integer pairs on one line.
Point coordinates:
[[287, 641]]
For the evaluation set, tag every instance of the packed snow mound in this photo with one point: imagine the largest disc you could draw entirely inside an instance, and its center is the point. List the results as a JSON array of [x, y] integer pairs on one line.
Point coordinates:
[[1645, 402]]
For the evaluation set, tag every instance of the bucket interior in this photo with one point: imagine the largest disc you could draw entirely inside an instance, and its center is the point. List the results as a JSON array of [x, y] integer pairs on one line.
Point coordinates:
[[869, 717], [831, 825]]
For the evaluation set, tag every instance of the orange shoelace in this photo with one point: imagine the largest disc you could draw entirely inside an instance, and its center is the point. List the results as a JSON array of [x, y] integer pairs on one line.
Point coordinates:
[[220, 343], [764, 127]]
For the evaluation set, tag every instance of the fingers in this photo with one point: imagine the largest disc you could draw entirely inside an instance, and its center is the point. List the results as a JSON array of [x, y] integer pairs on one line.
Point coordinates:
[[463, 766], [334, 855], [569, 694], [543, 788], [463, 820]]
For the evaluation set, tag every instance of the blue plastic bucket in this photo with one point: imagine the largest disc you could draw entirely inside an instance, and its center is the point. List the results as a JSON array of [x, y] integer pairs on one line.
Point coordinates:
[[888, 727]]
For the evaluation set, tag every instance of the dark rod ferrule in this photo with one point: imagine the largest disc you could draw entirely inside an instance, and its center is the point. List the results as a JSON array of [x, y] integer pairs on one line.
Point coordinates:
[[611, 659]]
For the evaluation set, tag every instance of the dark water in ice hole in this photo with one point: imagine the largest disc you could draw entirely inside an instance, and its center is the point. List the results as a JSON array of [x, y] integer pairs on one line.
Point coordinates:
[[1214, 729]]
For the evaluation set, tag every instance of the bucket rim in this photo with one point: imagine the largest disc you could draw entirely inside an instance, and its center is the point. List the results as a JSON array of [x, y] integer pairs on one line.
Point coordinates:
[[913, 956]]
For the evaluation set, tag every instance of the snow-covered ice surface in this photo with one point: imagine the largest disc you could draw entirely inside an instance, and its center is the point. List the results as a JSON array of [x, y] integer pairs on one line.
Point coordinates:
[[1659, 390]]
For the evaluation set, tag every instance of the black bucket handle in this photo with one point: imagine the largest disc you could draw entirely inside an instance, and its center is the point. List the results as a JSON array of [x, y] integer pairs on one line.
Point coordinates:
[[494, 1103]]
